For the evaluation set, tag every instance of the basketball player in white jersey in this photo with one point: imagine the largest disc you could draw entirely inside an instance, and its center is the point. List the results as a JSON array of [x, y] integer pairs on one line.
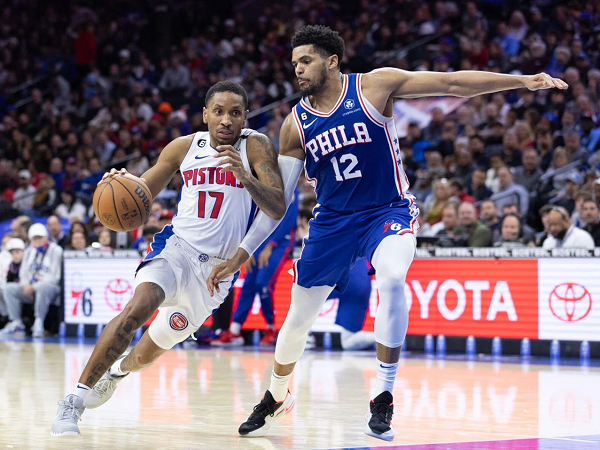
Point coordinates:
[[228, 172]]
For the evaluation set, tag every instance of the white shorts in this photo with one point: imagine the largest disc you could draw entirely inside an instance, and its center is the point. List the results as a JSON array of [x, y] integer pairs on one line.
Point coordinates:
[[181, 272]]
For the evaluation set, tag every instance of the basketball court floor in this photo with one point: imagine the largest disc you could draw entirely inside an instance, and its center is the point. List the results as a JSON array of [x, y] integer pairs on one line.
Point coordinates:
[[197, 399]]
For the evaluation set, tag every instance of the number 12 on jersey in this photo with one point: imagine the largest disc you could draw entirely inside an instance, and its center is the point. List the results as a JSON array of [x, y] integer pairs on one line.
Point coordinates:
[[218, 196], [348, 173]]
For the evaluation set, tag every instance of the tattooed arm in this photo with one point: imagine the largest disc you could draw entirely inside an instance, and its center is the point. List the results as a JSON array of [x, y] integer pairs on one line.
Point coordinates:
[[266, 188]]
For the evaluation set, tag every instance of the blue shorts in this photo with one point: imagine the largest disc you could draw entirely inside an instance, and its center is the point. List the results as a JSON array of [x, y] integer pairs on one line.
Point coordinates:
[[335, 241]]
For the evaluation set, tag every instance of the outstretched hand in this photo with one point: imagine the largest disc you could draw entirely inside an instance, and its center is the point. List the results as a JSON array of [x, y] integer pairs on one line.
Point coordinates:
[[114, 172], [544, 81]]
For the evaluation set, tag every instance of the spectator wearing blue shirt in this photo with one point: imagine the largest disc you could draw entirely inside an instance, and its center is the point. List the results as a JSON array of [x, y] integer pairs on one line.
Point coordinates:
[[508, 44]]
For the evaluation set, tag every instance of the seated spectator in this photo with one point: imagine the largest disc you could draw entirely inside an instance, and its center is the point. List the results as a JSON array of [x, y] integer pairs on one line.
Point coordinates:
[[590, 214], [573, 147], [23, 198], [449, 223], [511, 232], [491, 179], [560, 159], [457, 190], [13, 248], [435, 202], [563, 234], [542, 235], [567, 197], [70, 206], [472, 231], [45, 199], [477, 189], [77, 241], [144, 242], [39, 282], [105, 240], [510, 192], [489, 216], [57, 234], [528, 232], [528, 174]]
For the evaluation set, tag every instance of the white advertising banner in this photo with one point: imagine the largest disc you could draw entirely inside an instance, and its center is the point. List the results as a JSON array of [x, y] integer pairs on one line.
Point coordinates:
[[96, 290], [569, 299]]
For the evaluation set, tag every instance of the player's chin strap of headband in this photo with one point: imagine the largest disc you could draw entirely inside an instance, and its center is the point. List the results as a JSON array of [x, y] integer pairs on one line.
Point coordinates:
[[263, 226]]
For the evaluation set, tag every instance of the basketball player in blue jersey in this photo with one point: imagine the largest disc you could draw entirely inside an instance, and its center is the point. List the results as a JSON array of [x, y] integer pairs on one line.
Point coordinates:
[[344, 132], [227, 173]]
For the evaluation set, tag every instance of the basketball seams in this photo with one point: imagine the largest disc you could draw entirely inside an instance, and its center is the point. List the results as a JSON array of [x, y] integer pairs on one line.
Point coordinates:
[[131, 195], [115, 206], [100, 196], [143, 187]]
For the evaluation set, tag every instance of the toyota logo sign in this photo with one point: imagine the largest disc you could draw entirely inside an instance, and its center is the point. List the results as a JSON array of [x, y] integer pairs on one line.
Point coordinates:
[[570, 302]]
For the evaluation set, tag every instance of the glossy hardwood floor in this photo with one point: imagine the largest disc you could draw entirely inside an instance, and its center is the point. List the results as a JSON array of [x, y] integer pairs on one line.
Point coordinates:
[[198, 398]]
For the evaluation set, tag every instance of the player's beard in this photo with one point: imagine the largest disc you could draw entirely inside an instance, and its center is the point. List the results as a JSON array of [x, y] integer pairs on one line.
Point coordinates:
[[317, 85]]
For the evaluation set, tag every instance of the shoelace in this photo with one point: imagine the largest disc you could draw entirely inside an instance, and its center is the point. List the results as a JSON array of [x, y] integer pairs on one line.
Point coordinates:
[[102, 387], [260, 410], [69, 411], [383, 411]]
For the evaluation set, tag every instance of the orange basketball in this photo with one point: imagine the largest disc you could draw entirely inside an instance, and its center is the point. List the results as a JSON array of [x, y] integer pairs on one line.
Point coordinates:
[[122, 203]]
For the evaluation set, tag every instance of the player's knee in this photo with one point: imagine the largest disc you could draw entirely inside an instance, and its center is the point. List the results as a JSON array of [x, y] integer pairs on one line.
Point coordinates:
[[146, 299]]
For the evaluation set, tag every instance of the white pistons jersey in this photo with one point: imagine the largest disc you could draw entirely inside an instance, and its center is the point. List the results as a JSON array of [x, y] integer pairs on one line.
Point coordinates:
[[215, 211]]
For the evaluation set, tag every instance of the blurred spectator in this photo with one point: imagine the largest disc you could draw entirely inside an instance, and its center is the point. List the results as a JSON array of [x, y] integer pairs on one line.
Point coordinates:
[[10, 245], [23, 198], [511, 232], [105, 240], [77, 241], [435, 202], [39, 282], [590, 214], [144, 242], [457, 191], [529, 173], [176, 77], [45, 199], [564, 235], [528, 233], [489, 215], [510, 192], [70, 207], [470, 230], [56, 233], [477, 189]]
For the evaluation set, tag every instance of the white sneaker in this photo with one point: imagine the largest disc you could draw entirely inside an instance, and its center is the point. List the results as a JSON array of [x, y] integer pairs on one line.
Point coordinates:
[[37, 330], [16, 326], [69, 413], [104, 388]]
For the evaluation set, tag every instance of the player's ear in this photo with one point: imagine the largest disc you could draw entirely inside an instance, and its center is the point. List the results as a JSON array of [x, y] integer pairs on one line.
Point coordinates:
[[205, 115], [333, 61]]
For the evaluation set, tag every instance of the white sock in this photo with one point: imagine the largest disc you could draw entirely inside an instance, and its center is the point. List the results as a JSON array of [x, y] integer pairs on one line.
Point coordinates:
[[386, 375], [115, 369], [279, 386], [235, 328], [82, 391]]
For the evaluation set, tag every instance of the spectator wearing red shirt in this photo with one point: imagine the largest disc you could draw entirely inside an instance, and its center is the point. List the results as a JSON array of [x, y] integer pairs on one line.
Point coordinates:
[[84, 49]]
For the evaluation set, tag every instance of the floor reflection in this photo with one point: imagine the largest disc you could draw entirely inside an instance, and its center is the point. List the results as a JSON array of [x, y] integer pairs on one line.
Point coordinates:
[[198, 398]]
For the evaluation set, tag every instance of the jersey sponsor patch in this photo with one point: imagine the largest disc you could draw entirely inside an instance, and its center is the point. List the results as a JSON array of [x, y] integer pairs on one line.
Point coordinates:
[[178, 321], [201, 142]]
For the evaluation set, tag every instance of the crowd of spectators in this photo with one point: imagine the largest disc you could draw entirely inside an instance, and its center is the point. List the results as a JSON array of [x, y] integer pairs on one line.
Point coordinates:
[[111, 85]]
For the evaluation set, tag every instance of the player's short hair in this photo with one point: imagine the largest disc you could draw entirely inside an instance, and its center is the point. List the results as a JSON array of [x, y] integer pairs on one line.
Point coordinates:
[[325, 41], [227, 86]]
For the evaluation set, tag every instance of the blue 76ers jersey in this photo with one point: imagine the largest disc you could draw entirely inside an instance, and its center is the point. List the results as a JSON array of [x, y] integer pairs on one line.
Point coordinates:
[[352, 152]]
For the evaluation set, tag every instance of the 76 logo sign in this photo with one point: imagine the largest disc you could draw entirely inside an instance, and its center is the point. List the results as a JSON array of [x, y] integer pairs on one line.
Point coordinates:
[[85, 297]]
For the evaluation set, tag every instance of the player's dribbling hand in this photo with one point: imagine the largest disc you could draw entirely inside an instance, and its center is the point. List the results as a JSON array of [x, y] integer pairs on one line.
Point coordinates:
[[231, 161], [113, 173]]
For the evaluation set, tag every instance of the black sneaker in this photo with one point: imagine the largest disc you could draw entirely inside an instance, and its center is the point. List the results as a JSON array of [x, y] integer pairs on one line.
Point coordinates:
[[380, 417], [265, 414]]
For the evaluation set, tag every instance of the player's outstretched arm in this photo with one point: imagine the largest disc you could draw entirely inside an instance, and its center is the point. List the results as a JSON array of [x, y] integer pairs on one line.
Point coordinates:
[[467, 83], [158, 176], [266, 188]]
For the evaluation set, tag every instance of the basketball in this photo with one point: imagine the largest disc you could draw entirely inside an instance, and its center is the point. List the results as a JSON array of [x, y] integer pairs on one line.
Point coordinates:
[[122, 202]]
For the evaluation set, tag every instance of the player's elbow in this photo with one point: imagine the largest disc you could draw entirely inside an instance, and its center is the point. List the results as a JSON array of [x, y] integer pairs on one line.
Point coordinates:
[[278, 212]]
